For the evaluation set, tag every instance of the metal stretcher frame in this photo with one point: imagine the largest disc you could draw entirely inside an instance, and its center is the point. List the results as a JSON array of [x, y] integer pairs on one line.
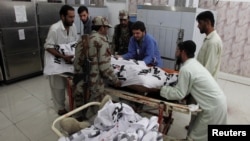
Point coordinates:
[[60, 133], [69, 88], [164, 108]]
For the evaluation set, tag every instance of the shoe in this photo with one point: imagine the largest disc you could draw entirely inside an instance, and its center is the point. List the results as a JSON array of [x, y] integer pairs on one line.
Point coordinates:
[[186, 127], [62, 112]]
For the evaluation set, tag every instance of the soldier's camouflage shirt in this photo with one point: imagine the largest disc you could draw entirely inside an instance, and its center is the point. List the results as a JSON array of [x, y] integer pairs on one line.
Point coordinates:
[[100, 56]]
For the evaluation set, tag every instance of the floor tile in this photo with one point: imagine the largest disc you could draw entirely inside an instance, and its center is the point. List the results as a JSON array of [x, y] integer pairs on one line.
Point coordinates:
[[49, 137], [38, 87], [238, 103], [177, 129], [12, 133], [38, 126], [4, 122], [20, 106]]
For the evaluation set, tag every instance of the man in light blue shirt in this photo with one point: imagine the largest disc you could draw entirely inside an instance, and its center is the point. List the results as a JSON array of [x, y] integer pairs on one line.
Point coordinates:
[[142, 46]]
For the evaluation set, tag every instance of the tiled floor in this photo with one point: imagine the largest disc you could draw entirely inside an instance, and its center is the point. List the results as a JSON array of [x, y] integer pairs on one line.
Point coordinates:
[[26, 110]]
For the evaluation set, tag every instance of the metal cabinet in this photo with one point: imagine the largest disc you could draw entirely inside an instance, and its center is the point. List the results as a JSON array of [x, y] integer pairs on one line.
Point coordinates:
[[170, 25], [19, 45]]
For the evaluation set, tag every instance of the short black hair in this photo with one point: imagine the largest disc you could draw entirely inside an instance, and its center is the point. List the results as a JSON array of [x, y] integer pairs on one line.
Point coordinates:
[[189, 47], [82, 8], [64, 10], [206, 15], [139, 25]]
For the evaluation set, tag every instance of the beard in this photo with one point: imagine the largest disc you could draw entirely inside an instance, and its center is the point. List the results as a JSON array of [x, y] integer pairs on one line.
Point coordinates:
[[124, 25], [178, 63], [179, 60], [65, 23], [202, 30]]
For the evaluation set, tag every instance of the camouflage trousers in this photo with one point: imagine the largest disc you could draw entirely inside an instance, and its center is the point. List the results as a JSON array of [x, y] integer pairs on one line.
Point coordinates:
[[82, 95]]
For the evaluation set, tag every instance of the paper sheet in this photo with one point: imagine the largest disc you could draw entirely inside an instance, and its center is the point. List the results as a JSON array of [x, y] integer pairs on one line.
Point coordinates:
[[21, 34], [20, 14]]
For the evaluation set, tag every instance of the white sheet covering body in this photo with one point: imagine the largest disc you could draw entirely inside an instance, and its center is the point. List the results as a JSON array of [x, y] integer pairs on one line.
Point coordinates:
[[54, 65], [119, 122], [132, 72], [195, 79]]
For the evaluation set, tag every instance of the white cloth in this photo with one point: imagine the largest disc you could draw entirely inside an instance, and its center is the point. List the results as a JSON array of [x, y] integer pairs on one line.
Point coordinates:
[[54, 65], [196, 80], [131, 72], [58, 35], [118, 122]]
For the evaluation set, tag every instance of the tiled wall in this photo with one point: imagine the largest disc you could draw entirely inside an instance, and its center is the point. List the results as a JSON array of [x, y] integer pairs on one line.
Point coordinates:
[[233, 25]]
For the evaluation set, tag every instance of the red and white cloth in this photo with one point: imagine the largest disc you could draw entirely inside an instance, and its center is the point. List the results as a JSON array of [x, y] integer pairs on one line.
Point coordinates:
[[118, 122], [132, 72], [54, 65]]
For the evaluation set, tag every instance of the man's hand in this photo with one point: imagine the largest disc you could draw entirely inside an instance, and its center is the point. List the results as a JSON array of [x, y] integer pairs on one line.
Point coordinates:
[[118, 83], [68, 58], [118, 56]]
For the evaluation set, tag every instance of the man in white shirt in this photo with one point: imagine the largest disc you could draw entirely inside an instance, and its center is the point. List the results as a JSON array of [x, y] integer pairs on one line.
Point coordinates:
[[210, 53], [62, 32], [196, 80]]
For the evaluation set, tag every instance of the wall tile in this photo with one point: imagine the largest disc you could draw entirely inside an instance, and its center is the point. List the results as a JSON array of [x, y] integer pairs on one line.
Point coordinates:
[[233, 26]]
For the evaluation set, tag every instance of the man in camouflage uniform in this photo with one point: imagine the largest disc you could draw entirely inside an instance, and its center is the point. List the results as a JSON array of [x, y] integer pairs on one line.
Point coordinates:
[[81, 75], [122, 34], [99, 55]]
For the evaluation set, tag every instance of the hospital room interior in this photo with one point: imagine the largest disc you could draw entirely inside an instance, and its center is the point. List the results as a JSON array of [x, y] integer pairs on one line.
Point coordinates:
[[27, 110]]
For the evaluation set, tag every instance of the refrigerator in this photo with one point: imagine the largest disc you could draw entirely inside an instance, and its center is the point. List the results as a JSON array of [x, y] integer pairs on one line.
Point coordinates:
[[170, 25], [19, 45]]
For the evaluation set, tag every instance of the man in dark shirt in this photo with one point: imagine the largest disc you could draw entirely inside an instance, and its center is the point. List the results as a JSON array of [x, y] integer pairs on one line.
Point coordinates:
[[85, 18], [122, 34]]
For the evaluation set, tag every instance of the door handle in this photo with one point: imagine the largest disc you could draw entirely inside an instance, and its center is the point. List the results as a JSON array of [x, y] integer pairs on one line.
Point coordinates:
[[1, 37]]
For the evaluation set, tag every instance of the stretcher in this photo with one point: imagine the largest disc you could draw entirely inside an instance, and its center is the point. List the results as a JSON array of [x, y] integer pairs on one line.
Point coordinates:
[[62, 134], [161, 108], [156, 106]]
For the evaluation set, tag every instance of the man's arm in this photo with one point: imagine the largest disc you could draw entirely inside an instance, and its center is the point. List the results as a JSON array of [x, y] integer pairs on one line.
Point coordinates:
[[180, 90], [149, 56], [50, 46], [131, 54], [114, 41], [104, 63]]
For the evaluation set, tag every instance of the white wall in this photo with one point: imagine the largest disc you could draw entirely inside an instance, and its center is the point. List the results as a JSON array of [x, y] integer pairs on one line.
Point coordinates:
[[113, 10], [237, 0]]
